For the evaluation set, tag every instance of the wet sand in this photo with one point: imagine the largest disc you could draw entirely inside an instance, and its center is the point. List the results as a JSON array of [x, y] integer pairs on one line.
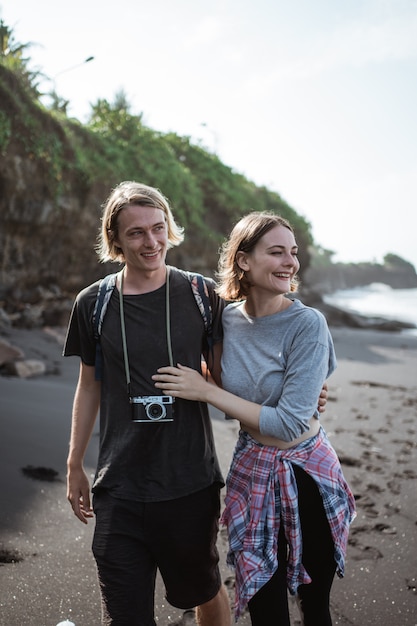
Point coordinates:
[[47, 571]]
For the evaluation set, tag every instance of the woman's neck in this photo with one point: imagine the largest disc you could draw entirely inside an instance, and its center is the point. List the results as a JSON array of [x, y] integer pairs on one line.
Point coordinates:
[[261, 307]]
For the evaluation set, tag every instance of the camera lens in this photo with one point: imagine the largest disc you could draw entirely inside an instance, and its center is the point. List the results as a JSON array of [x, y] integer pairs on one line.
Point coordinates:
[[155, 411]]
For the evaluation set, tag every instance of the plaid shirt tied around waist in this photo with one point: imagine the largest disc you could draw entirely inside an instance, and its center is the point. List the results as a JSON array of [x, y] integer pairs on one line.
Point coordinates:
[[262, 491]]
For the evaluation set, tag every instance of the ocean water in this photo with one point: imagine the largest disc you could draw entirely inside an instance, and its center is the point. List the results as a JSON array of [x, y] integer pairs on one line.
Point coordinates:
[[378, 300]]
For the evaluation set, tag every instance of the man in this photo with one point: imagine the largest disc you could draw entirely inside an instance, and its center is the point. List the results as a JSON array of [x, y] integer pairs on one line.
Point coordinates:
[[157, 485]]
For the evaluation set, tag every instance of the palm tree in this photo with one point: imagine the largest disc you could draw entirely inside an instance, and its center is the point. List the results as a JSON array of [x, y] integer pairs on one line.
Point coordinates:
[[12, 56]]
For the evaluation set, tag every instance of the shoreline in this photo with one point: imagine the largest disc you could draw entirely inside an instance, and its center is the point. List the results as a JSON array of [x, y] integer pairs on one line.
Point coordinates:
[[371, 419]]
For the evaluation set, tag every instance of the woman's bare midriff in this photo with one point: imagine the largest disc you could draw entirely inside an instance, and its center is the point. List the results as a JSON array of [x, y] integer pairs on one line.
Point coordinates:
[[279, 443]]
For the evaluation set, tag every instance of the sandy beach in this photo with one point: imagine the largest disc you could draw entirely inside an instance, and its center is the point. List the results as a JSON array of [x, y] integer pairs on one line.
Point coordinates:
[[47, 571]]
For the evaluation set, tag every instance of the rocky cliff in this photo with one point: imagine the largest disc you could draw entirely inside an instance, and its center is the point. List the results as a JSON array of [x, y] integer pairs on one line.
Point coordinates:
[[351, 275], [50, 208]]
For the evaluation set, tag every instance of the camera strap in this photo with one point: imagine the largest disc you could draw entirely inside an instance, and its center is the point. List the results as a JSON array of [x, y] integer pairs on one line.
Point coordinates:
[[123, 327]]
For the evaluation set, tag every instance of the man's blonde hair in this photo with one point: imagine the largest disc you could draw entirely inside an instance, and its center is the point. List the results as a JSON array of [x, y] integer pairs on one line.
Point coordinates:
[[126, 194]]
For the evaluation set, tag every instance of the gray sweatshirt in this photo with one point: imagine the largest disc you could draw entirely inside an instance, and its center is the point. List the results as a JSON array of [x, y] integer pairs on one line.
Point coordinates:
[[279, 361]]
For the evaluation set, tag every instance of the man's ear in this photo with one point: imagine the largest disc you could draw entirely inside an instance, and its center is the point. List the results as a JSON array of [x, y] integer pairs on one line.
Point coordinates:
[[112, 236], [115, 241]]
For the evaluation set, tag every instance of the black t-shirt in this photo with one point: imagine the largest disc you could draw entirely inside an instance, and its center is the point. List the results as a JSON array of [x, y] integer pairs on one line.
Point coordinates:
[[158, 460]]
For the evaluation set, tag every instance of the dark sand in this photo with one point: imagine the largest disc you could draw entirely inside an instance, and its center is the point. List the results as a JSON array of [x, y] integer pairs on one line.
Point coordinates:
[[371, 419]]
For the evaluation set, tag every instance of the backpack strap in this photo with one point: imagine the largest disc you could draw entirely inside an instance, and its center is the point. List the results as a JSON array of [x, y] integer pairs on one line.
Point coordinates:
[[201, 296], [105, 290]]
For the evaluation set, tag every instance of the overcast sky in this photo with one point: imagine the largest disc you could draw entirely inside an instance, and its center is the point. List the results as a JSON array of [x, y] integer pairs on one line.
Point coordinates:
[[316, 99]]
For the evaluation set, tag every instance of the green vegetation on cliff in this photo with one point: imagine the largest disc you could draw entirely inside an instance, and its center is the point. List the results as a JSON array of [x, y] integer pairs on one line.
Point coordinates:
[[55, 173]]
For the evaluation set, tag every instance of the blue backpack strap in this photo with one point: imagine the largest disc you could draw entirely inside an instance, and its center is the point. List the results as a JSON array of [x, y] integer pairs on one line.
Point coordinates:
[[105, 290]]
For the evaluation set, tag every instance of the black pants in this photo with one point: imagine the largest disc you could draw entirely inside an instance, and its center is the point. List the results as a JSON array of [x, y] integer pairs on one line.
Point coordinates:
[[270, 604]]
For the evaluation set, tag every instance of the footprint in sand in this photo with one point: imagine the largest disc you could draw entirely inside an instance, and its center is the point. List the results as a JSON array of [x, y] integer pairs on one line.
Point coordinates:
[[40, 473], [9, 556], [368, 552], [394, 486], [349, 461]]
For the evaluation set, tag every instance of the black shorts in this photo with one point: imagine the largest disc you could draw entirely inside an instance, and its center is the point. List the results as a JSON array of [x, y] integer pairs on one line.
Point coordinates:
[[133, 539]]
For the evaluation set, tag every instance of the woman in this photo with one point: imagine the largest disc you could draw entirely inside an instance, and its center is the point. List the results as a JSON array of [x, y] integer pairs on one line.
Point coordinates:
[[288, 506]]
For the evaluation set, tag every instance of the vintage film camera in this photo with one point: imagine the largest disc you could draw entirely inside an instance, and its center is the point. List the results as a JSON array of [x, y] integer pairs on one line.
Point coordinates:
[[152, 408]]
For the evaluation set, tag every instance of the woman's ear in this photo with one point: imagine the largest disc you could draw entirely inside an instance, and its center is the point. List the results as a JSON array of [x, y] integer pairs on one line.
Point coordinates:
[[242, 260]]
